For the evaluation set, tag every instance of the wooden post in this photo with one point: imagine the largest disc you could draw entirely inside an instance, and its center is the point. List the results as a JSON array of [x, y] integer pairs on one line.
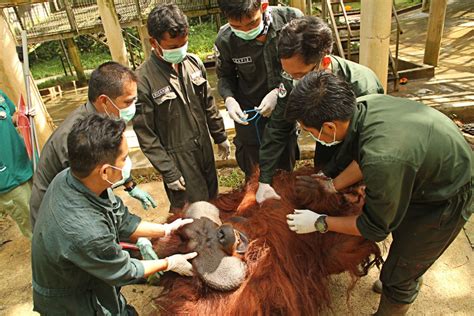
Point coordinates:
[[435, 32], [75, 58], [144, 39], [13, 84], [300, 4], [375, 26], [425, 6], [113, 31]]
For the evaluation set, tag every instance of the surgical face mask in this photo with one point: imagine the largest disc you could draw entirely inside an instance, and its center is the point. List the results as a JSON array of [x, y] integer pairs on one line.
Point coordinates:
[[126, 114], [175, 55], [249, 35], [126, 170], [322, 142]]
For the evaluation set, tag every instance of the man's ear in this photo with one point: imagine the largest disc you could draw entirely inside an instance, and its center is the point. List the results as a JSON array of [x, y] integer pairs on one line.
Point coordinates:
[[329, 127], [103, 171]]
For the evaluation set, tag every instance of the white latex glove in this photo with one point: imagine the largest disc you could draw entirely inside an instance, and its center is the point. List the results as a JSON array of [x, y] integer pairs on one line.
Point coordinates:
[[234, 110], [178, 185], [179, 263], [265, 192], [302, 221], [223, 150], [175, 225], [268, 103]]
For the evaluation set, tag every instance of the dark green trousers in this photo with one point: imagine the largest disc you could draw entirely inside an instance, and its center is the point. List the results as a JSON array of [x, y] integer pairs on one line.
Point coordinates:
[[422, 237]]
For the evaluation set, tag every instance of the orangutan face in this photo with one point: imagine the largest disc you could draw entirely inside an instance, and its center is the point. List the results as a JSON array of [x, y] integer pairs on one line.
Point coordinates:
[[220, 247]]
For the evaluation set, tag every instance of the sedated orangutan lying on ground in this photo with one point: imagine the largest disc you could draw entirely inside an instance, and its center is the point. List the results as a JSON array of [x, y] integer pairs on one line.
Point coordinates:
[[253, 264]]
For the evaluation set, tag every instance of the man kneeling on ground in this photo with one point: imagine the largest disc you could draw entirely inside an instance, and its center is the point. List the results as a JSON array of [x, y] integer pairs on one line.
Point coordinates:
[[77, 262]]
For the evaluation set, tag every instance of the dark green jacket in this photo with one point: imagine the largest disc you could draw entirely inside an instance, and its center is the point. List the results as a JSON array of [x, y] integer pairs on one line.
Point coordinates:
[[248, 70], [363, 81], [77, 261], [175, 114], [15, 165], [409, 154], [54, 158]]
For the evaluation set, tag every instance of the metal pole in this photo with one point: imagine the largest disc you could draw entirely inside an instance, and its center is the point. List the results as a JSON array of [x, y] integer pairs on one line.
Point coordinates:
[[67, 57], [26, 74]]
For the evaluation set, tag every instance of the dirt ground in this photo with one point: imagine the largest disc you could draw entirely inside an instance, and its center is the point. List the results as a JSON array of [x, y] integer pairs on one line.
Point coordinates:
[[448, 285]]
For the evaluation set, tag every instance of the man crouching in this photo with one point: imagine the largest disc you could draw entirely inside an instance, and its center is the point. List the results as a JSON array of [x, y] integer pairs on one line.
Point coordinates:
[[77, 262]]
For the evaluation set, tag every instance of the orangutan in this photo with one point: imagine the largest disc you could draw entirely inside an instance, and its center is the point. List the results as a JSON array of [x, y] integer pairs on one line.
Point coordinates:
[[250, 263]]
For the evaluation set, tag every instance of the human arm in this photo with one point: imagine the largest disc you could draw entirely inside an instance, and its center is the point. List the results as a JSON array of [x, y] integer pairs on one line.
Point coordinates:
[[275, 139], [154, 230]]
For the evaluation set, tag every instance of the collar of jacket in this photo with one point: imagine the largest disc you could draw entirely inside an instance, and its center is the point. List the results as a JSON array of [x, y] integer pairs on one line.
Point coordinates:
[[356, 123], [105, 204], [90, 108]]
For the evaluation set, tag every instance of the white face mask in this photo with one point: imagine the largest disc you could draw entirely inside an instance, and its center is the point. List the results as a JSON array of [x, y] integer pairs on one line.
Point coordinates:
[[322, 142], [126, 170]]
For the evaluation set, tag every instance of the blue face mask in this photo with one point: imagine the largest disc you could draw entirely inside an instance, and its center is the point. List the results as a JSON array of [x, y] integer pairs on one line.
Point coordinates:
[[126, 171], [249, 35], [322, 142], [176, 55]]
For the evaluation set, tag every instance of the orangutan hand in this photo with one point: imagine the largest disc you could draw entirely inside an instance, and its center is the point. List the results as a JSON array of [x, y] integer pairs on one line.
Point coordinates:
[[314, 182]]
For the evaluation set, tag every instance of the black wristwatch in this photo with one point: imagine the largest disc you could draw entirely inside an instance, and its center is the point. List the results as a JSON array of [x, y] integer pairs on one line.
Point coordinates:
[[131, 187], [321, 225]]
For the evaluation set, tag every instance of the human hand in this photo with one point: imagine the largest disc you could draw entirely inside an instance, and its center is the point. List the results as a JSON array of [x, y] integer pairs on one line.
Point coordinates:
[[265, 192], [144, 197], [314, 182], [234, 110], [302, 221], [178, 185], [268, 103], [175, 225], [179, 263], [223, 150]]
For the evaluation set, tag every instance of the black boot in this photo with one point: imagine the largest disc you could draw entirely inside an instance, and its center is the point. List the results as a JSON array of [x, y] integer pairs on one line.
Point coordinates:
[[389, 308]]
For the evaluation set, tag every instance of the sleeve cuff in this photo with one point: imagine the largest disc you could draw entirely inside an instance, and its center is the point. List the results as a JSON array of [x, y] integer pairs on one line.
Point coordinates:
[[220, 139], [368, 230], [265, 178], [130, 226], [139, 268]]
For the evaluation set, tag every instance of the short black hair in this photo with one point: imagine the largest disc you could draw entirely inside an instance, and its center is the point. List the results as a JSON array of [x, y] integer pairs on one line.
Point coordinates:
[[109, 79], [238, 9], [93, 140], [320, 97], [167, 18], [307, 36]]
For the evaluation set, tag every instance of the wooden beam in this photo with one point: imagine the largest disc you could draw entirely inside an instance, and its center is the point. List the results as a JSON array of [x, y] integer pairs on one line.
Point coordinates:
[[113, 31], [435, 32], [75, 58], [375, 27]]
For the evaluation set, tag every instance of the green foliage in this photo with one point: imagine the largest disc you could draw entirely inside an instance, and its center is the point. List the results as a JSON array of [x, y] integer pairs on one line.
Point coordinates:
[[201, 39], [230, 177]]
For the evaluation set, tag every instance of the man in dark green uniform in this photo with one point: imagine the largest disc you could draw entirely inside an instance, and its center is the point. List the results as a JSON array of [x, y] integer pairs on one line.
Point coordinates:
[[15, 169], [112, 90], [249, 73], [304, 46], [77, 262], [418, 172], [176, 112]]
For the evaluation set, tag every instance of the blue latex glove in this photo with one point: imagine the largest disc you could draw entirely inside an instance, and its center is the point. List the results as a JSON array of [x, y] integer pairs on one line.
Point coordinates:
[[143, 197]]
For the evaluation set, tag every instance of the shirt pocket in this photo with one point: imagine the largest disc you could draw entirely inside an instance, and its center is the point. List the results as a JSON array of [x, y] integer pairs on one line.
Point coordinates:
[[166, 107], [247, 68]]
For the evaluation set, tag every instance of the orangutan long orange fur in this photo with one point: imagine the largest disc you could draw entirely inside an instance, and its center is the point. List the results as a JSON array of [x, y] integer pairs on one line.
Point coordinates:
[[287, 273]]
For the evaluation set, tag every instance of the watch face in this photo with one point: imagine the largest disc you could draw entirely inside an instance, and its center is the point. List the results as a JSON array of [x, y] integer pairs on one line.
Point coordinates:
[[321, 225]]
